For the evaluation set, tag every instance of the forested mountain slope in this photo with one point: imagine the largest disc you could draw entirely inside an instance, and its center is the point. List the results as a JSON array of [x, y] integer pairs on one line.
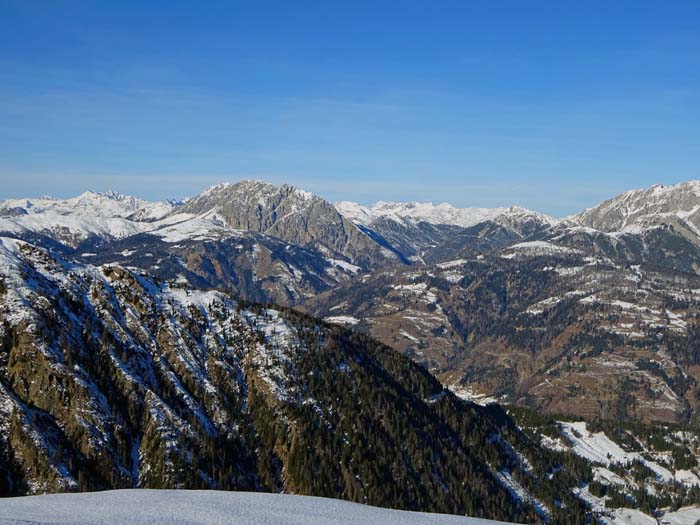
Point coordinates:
[[110, 379]]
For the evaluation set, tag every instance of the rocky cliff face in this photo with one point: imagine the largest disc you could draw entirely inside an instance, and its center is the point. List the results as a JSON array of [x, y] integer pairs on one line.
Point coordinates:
[[290, 214]]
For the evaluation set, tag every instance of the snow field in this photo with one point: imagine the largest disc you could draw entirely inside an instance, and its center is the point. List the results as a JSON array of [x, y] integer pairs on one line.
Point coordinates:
[[206, 507]]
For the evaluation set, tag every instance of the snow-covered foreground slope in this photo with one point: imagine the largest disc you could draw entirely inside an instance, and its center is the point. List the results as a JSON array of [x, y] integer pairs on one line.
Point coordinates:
[[206, 507]]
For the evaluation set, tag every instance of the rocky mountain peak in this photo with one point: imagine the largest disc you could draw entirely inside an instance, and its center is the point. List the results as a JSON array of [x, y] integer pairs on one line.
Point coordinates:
[[108, 203], [644, 208], [290, 214], [253, 194]]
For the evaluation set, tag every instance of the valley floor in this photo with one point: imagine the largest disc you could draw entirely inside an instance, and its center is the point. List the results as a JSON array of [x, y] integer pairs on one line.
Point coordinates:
[[206, 507]]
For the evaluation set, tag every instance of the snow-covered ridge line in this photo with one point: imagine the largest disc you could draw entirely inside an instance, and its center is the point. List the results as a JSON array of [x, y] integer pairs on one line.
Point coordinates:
[[114, 215], [208, 507], [443, 213], [99, 204]]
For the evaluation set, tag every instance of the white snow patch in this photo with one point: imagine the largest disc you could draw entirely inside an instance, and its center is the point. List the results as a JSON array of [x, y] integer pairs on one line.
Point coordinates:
[[351, 268], [628, 517], [594, 502], [468, 394], [599, 448], [342, 319], [451, 264], [408, 336], [555, 444], [520, 493]]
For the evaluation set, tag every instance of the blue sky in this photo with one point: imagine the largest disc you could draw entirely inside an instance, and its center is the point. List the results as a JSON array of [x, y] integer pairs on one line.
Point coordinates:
[[550, 105]]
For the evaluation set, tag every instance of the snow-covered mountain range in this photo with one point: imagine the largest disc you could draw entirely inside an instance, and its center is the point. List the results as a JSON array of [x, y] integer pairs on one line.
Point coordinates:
[[366, 236], [255, 205], [417, 212]]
